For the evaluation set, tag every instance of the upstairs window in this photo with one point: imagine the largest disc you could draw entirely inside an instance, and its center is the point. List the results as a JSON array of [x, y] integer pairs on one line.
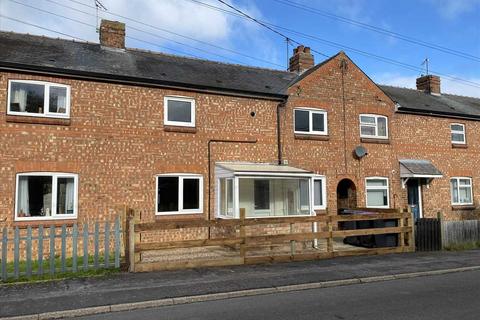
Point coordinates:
[[38, 99], [179, 194], [458, 133], [461, 191], [373, 126], [310, 121], [377, 192], [42, 195], [179, 111]]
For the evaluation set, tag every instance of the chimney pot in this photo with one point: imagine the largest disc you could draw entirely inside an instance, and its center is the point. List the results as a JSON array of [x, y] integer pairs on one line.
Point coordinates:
[[301, 60], [429, 84], [112, 34]]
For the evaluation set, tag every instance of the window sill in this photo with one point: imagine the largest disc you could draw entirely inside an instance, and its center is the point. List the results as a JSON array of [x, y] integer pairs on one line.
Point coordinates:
[[464, 207], [38, 120], [375, 140], [44, 222], [181, 217], [168, 128], [300, 136], [459, 146]]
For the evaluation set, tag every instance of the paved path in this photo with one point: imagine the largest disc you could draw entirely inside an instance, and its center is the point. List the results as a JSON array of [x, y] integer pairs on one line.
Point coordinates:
[[125, 288], [451, 296]]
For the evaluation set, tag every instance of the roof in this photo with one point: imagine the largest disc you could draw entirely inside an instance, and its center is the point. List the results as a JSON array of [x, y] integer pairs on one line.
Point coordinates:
[[411, 100], [261, 168], [90, 60], [410, 168], [49, 54]]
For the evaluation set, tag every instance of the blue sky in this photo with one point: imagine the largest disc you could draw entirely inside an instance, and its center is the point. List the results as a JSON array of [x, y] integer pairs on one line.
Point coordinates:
[[454, 24]]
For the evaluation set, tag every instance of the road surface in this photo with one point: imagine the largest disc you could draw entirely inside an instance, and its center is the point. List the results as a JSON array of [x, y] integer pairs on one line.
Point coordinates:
[[451, 296]]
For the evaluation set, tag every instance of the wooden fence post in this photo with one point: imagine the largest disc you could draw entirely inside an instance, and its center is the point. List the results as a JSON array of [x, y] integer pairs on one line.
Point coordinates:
[[442, 229], [411, 225], [40, 250], [292, 242], [242, 234], [402, 234], [330, 234], [131, 243]]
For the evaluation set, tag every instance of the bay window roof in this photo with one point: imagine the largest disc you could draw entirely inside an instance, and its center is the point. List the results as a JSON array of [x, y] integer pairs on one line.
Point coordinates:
[[261, 169]]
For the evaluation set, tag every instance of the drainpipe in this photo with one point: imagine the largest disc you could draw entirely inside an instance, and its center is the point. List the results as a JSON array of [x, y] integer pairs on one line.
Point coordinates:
[[279, 133], [343, 67]]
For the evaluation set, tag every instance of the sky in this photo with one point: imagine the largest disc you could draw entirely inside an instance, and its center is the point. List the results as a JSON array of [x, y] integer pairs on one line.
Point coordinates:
[[203, 29]]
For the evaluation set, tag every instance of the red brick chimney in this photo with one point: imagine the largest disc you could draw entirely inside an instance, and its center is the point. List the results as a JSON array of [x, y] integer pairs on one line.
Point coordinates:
[[429, 84], [301, 60], [112, 34]]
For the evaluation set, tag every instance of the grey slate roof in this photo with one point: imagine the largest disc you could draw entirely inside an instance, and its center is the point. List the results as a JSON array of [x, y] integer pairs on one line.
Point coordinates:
[[34, 53], [143, 66], [411, 168], [444, 104]]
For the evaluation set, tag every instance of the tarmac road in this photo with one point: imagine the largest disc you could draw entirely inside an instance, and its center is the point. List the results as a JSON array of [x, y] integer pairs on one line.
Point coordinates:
[[450, 296]]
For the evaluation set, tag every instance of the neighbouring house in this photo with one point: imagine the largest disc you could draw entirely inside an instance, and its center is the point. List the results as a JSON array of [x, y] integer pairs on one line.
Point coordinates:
[[86, 128]]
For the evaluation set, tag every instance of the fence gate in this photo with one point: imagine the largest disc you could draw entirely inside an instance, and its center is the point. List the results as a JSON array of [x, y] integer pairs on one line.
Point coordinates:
[[428, 235]]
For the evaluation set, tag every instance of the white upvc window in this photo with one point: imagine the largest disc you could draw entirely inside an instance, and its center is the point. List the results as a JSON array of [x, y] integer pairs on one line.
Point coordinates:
[[377, 192], [179, 111], [319, 193], [38, 99], [179, 194], [458, 133], [461, 189], [373, 126], [310, 121], [46, 195]]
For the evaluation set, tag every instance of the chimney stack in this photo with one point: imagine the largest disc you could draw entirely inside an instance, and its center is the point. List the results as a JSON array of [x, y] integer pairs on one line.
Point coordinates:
[[112, 34], [302, 60], [429, 84]]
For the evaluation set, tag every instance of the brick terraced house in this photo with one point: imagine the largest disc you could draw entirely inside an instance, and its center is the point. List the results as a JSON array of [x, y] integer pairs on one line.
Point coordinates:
[[86, 128]]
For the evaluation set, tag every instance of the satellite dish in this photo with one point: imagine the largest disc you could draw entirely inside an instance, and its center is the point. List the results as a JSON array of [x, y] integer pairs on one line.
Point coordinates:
[[360, 152]]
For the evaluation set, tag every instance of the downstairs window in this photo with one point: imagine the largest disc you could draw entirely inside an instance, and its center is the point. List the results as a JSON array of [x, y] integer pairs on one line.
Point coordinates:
[[46, 196], [179, 194]]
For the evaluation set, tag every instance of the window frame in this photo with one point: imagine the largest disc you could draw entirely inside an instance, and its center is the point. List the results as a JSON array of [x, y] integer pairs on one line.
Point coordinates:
[[464, 133], [311, 111], [181, 177], [54, 216], [46, 100], [367, 188], [179, 123], [458, 191], [324, 192], [376, 116]]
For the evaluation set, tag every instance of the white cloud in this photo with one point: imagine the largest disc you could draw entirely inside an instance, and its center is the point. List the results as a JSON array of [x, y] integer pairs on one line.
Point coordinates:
[[452, 9], [447, 85]]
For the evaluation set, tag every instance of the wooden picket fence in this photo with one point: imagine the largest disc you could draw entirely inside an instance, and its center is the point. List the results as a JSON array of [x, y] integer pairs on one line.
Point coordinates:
[[242, 247], [460, 232], [40, 250]]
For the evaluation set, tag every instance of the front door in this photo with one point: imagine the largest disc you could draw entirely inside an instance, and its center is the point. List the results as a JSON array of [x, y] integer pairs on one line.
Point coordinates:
[[415, 197]]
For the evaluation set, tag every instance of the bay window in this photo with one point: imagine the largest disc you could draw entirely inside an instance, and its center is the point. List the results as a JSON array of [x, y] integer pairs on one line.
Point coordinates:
[[41, 195]]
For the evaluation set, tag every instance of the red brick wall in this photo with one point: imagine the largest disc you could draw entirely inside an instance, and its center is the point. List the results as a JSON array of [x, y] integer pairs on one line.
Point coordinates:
[[117, 143]]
